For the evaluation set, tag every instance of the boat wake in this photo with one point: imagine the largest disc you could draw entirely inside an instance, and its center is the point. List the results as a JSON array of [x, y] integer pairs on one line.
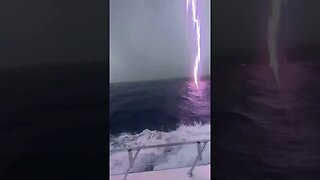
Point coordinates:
[[163, 157]]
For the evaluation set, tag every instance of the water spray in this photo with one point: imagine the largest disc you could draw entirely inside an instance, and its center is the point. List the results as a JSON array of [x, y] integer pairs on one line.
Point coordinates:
[[273, 30], [196, 23]]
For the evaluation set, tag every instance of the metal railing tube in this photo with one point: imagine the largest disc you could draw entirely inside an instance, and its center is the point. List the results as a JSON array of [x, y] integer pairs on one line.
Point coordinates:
[[200, 149], [199, 157], [131, 161]]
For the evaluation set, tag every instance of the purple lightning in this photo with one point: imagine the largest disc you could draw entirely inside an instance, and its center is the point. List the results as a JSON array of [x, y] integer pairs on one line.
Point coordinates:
[[196, 23]]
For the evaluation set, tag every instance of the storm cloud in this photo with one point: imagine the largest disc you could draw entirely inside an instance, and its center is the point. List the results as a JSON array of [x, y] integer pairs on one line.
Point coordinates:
[[152, 39]]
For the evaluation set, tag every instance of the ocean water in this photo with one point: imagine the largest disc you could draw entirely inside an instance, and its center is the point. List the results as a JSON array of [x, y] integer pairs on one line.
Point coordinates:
[[158, 112], [261, 129], [264, 129]]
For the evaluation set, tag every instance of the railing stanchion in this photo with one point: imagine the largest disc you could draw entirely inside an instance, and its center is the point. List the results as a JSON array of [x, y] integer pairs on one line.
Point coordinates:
[[132, 157], [199, 157], [199, 151], [131, 161]]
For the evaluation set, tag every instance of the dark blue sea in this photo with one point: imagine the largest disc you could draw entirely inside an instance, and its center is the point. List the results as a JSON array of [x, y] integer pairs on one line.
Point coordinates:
[[158, 105], [261, 129], [158, 112]]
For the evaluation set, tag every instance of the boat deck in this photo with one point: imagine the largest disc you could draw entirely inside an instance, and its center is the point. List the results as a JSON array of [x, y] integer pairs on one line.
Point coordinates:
[[199, 173]]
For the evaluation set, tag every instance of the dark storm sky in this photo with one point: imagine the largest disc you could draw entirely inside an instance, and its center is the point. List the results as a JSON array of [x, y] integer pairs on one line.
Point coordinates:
[[149, 40]]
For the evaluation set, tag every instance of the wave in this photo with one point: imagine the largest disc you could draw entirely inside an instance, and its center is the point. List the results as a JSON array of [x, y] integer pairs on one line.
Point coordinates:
[[159, 158]]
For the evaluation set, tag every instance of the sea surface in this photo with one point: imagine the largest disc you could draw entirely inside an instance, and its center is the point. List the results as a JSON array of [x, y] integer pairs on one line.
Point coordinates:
[[263, 129], [158, 112]]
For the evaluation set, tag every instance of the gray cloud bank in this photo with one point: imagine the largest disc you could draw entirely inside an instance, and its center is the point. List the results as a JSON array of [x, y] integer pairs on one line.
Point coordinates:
[[150, 39]]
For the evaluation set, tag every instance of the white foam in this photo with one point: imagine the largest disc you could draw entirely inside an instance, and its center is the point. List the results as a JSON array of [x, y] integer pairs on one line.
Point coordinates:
[[160, 158]]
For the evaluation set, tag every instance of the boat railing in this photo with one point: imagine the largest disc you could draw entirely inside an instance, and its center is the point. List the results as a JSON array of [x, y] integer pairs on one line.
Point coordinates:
[[200, 145]]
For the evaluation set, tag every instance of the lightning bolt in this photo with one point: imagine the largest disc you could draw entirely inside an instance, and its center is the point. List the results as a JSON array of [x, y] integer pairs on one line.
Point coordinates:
[[273, 30], [196, 23]]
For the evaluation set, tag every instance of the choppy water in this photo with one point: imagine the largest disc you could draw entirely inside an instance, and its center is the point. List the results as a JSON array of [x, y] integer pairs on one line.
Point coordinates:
[[158, 112]]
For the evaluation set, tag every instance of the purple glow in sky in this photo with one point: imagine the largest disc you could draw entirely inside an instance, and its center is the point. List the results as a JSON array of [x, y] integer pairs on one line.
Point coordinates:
[[196, 23]]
